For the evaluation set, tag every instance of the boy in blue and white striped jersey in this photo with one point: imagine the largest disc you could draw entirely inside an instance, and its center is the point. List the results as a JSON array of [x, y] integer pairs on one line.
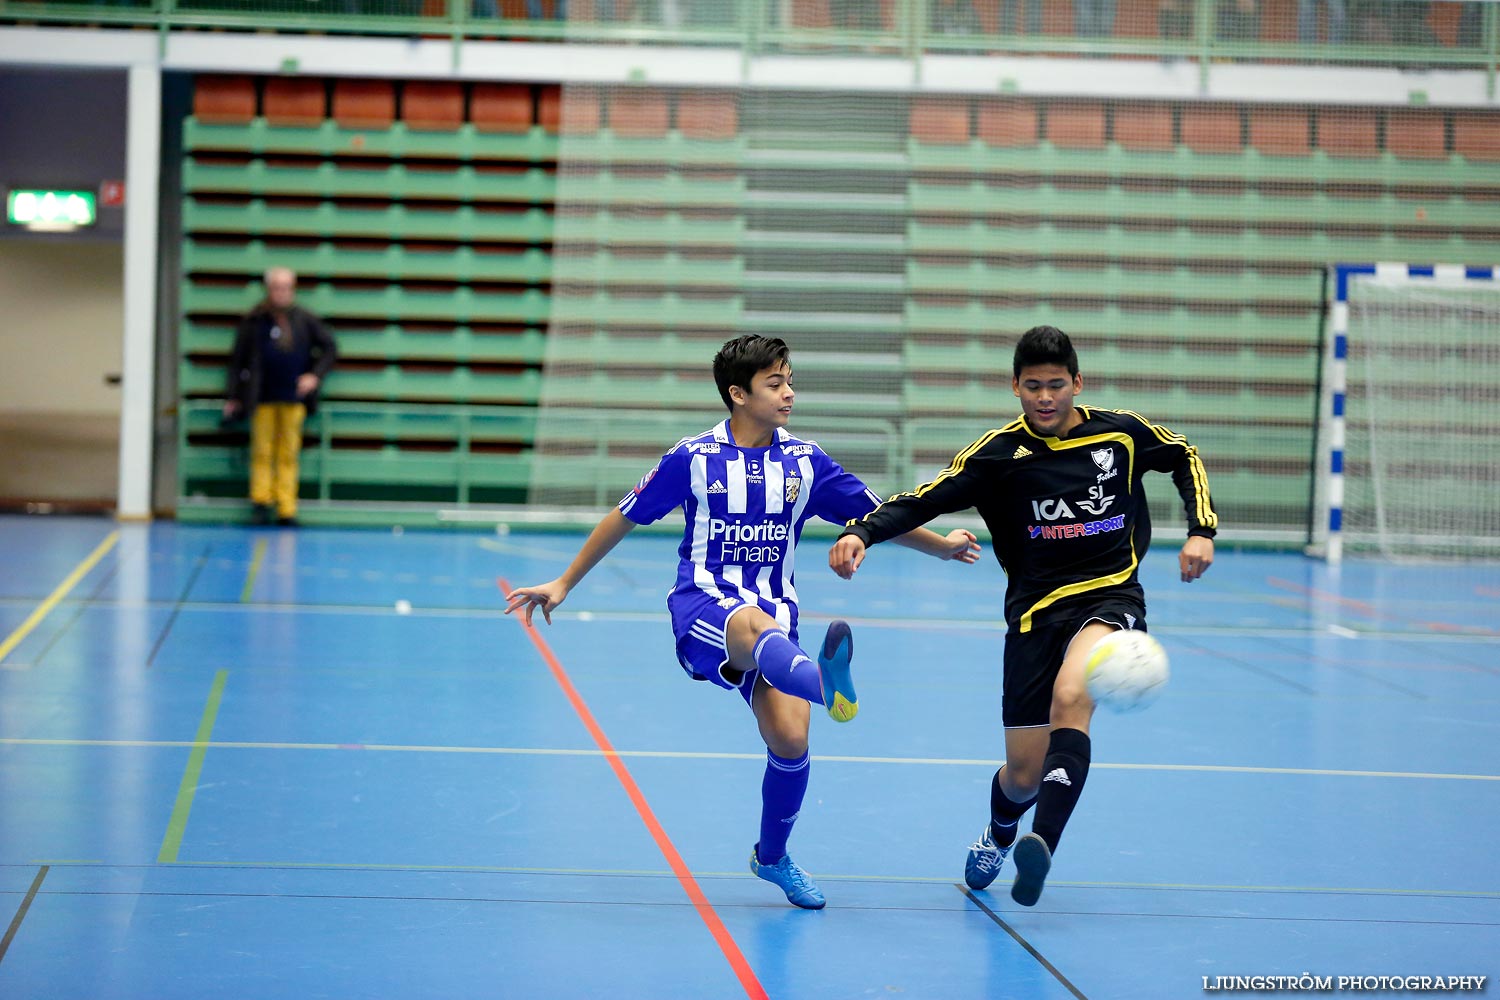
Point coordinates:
[[747, 486]]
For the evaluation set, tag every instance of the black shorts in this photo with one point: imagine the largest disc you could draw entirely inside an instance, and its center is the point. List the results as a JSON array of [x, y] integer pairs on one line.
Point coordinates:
[[1032, 659]]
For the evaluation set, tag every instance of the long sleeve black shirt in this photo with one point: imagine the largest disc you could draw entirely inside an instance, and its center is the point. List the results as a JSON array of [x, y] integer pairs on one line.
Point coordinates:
[[1067, 515]]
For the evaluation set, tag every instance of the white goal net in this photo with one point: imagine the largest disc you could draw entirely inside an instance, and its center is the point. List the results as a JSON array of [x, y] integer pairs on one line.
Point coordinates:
[[1420, 461]]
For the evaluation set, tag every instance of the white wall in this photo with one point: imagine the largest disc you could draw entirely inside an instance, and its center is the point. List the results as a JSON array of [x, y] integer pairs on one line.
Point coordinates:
[[61, 326]]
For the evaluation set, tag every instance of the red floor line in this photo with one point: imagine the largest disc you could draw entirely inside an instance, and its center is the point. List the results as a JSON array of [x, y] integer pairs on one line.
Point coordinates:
[[1370, 611], [710, 917]]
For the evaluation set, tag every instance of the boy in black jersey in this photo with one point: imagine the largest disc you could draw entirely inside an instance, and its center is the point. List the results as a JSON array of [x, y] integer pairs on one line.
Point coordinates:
[[1060, 490]]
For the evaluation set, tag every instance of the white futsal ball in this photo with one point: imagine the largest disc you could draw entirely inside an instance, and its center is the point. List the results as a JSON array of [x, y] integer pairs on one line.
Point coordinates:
[[1126, 670]]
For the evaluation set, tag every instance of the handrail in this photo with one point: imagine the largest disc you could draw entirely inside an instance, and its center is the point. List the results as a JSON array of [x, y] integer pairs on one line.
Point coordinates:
[[193, 414], [750, 26], [321, 425]]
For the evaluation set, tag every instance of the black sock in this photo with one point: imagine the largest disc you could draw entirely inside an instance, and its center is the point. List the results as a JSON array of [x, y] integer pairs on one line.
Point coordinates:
[[1063, 774], [1005, 813]]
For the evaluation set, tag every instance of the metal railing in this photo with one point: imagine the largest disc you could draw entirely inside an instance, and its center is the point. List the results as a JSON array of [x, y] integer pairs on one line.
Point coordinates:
[[1399, 33]]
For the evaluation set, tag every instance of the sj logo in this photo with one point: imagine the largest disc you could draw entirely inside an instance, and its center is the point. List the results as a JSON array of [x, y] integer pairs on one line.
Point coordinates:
[[1097, 503]]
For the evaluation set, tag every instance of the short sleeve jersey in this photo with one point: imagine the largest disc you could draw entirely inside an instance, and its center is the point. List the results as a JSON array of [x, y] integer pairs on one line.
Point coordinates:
[[744, 509]]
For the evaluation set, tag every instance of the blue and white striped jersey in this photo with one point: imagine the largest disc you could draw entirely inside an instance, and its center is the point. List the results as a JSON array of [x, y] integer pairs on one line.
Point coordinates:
[[744, 510]]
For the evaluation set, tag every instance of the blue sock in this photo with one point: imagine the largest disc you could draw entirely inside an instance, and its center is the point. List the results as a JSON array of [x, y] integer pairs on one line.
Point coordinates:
[[786, 668], [781, 792]]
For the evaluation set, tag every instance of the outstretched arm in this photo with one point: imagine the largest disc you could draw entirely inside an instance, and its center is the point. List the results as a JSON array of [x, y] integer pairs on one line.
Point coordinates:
[[547, 596], [960, 544]]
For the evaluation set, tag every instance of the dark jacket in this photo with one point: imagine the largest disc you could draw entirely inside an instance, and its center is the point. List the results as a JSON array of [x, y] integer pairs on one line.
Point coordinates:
[[245, 366]]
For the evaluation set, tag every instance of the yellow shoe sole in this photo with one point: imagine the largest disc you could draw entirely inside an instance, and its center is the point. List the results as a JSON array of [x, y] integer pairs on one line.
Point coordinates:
[[842, 708]]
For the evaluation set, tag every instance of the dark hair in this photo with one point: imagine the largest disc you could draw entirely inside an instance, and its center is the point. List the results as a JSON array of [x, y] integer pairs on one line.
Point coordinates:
[[739, 360], [1045, 345]]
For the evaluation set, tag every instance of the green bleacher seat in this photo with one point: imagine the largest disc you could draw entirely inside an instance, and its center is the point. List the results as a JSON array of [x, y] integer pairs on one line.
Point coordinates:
[[394, 343], [462, 224], [1183, 242], [666, 270], [670, 228], [1113, 161], [1008, 321], [993, 399], [1176, 361], [330, 180], [668, 310], [674, 190], [396, 263], [398, 141], [673, 149], [1248, 207], [1049, 281], [393, 302]]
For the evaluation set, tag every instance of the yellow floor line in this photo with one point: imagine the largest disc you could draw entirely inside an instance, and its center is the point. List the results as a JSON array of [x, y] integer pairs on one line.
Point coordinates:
[[53, 599], [255, 560], [177, 825]]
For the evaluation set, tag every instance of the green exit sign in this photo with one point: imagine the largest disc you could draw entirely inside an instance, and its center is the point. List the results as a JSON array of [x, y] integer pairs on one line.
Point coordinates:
[[51, 210]]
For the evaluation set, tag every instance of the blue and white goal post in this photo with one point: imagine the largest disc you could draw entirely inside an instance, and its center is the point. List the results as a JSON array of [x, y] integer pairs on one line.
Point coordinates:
[[1410, 459]]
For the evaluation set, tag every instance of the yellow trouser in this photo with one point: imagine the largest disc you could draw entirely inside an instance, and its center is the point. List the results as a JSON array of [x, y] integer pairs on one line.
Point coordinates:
[[275, 444]]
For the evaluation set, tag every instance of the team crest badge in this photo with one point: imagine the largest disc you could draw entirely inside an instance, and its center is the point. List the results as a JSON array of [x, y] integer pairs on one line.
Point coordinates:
[[793, 489], [1104, 458]]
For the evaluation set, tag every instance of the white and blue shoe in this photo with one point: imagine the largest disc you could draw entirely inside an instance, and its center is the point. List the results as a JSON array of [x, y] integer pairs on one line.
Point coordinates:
[[785, 874], [984, 861], [833, 666]]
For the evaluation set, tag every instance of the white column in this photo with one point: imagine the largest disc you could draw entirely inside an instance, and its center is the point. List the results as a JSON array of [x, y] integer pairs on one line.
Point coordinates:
[[137, 405]]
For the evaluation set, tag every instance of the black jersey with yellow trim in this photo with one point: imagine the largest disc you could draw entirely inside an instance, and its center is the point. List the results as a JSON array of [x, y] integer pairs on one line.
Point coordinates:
[[1068, 515]]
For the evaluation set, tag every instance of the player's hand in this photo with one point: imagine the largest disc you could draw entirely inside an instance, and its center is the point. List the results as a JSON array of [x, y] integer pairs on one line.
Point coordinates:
[[846, 555], [1196, 556], [307, 384], [231, 409], [963, 546], [546, 596]]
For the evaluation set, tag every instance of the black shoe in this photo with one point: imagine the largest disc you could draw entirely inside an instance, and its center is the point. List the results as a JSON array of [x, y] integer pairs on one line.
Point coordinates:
[[260, 514], [1032, 860], [287, 522]]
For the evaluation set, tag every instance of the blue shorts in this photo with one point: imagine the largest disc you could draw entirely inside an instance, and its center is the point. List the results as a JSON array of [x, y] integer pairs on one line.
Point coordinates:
[[699, 623]]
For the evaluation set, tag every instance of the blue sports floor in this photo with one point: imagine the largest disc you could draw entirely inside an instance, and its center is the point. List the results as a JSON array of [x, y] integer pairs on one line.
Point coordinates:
[[230, 767]]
